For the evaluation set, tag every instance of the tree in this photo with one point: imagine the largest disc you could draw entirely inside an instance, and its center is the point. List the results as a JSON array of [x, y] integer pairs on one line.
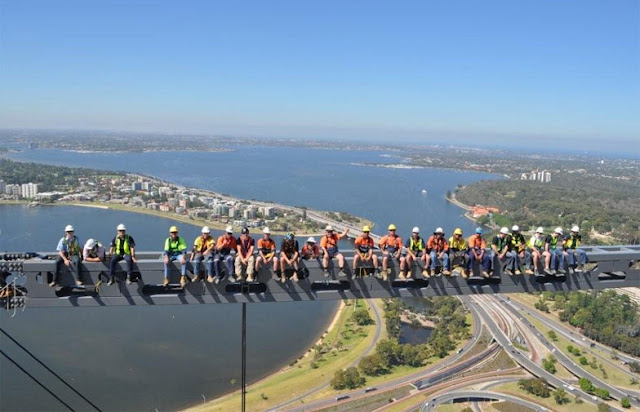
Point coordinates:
[[634, 367], [347, 379], [361, 317], [552, 335], [625, 403], [373, 365], [549, 365], [560, 396], [601, 393], [586, 385], [583, 360], [535, 386], [387, 349]]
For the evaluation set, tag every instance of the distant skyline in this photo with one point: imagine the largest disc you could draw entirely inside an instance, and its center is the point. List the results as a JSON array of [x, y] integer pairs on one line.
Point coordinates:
[[562, 73]]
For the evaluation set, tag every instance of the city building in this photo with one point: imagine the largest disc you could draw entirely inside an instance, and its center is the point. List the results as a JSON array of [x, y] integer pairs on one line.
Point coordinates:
[[543, 176], [29, 190], [3, 186]]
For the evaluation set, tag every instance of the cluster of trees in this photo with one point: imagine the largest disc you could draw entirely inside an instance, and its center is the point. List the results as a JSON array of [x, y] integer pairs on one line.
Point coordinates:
[[361, 317], [587, 386], [607, 205], [606, 317], [347, 379], [549, 364], [49, 177], [535, 386]]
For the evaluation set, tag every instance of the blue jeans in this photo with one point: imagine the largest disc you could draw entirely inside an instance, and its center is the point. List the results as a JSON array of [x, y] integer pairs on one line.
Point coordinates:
[[506, 264], [183, 269], [228, 260], [74, 267], [434, 260], [117, 258], [557, 259], [527, 260], [197, 260], [582, 256], [486, 263]]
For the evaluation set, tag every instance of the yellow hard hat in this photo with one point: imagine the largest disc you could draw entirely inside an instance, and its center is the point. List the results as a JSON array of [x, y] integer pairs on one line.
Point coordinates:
[[458, 231], [392, 227], [173, 229], [366, 229]]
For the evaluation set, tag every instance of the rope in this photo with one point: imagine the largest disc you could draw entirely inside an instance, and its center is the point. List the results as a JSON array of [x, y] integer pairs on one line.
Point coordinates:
[[35, 380], [48, 369]]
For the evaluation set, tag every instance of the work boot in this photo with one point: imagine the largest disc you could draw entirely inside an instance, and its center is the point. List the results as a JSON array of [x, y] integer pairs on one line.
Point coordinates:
[[249, 278], [465, 274], [528, 271], [378, 273], [426, 273], [196, 279], [580, 269], [52, 284], [388, 271], [165, 282], [79, 283], [401, 276], [216, 280], [128, 280], [342, 273], [210, 279], [183, 280], [485, 274], [295, 276], [326, 273], [111, 281], [283, 278], [446, 272], [508, 272], [385, 276], [517, 272]]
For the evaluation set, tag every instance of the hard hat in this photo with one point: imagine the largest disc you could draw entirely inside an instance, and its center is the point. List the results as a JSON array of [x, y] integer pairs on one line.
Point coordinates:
[[205, 229], [266, 231], [245, 230], [504, 231], [69, 228], [479, 230], [439, 230], [558, 230], [229, 229], [540, 230], [121, 227], [329, 228], [90, 244], [366, 229], [416, 229], [311, 240], [392, 227], [458, 231], [575, 228], [173, 229], [515, 228]]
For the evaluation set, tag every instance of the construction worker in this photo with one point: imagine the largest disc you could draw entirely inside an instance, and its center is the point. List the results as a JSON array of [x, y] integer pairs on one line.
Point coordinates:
[[554, 249], [364, 246], [122, 247], [478, 253], [500, 252], [415, 249], [458, 252], [439, 252], [289, 256], [391, 247], [69, 254], [570, 246], [244, 258], [538, 252], [267, 252], [175, 248], [519, 248], [225, 248], [204, 248], [329, 246], [310, 249], [93, 251]]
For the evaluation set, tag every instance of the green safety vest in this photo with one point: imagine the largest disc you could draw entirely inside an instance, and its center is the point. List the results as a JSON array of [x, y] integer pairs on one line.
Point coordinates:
[[123, 245], [536, 242], [416, 246], [572, 242], [72, 246], [502, 242], [173, 246], [554, 242]]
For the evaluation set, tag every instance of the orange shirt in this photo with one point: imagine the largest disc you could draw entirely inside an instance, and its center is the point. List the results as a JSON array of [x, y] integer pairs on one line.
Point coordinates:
[[266, 245], [331, 241], [226, 244], [437, 244], [364, 245], [389, 241], [476, 241]]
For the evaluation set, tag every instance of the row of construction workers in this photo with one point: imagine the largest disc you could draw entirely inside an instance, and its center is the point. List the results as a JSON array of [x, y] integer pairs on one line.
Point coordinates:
[[509, 249]]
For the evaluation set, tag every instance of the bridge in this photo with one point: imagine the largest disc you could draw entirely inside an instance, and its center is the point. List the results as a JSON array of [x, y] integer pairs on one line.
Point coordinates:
[[609, 267]]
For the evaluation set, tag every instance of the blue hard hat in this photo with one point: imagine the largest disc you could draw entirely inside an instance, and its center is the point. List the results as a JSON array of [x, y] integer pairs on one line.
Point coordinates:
[[479, 230]]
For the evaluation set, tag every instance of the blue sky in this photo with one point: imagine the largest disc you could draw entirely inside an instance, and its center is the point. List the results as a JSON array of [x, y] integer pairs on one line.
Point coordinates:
[[448, 70]]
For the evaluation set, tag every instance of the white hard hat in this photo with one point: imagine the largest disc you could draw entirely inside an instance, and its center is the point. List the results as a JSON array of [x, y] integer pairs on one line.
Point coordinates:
[[121, 227], [90, 244], [69, 228], [515, 228], [416, 230], [439, 230], [205, 229], [229, 229], [575, 228], [266, 231], [558, 230], [540, 230], [311, 240], [329, 227], [504, 231]]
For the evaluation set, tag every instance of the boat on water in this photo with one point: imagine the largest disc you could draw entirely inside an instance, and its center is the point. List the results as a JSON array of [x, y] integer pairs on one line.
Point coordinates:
[[424, 191], [34, 204]]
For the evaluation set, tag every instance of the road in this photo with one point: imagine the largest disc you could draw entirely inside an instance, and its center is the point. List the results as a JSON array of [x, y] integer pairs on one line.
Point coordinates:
[[431, 404], [566, 361], [368, 350], [422, 374]]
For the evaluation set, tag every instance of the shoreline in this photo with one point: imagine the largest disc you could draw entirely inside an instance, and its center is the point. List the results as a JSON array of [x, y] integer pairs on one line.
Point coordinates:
[[454, 201]]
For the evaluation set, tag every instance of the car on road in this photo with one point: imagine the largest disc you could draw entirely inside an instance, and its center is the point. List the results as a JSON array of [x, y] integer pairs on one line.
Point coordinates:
[[342, 397], [370, 390]]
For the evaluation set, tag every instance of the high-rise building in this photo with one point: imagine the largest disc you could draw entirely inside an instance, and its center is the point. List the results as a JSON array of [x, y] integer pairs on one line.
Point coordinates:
[[136, 186], [29, 190], [3, 186]]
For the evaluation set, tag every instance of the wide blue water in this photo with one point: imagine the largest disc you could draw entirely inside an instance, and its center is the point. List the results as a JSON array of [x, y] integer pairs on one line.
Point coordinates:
[[165, 358]]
